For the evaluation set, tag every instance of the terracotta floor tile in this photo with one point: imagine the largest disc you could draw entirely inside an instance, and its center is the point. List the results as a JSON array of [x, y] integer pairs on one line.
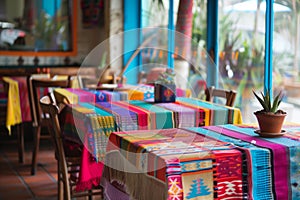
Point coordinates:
[[16, 182]]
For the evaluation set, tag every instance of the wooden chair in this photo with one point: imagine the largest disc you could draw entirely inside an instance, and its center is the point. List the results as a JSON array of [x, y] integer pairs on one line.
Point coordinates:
[[228, 95], [39, 118], [66, 162]]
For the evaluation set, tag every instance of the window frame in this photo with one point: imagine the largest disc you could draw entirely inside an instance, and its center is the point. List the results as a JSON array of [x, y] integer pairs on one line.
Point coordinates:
[[212, 37]]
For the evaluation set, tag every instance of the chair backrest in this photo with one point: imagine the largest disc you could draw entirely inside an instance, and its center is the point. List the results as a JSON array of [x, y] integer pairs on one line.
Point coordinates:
[[36, 89], [106, 76], [228, 95], [47, 106]]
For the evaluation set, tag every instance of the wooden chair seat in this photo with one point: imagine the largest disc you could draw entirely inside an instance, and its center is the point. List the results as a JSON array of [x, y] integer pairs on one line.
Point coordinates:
[[68, 165]]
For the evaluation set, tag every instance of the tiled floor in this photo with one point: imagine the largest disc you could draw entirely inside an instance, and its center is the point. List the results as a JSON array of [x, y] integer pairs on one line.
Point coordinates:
[[16, 182]]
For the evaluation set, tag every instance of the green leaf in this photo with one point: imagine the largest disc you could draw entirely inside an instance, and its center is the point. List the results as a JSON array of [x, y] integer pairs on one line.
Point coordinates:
[[261, 101], [276, 103], [268, 101]]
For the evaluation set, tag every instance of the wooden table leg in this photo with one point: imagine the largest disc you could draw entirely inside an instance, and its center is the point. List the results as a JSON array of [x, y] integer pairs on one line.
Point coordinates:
[[20, 133], [37, 133]]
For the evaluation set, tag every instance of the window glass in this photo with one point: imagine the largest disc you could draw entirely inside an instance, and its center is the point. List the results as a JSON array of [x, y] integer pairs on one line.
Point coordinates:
[[241, 50], [154, 17], [192, 72], [286, 63]]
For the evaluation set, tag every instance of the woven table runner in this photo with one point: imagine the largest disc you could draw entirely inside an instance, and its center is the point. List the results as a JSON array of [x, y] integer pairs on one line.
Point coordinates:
[[184, 116], [125, 119], [290, 141], [203, 116], [83, 95], [218, 114], [76, 121], [257, 172], [280, 160], [61, 93], [160, 117], [142, 114], [102, 125]]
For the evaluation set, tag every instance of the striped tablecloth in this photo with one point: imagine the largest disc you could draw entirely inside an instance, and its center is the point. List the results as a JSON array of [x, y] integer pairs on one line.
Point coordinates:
[[138, 92], [93, 122], [211, 162]]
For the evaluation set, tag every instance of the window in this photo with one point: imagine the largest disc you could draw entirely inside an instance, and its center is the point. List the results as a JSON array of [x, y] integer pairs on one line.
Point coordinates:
[[242, 49], [286, 54], [40, 27]]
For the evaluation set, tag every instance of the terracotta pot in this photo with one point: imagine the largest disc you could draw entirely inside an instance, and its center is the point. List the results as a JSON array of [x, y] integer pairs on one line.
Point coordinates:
[[269, 122]]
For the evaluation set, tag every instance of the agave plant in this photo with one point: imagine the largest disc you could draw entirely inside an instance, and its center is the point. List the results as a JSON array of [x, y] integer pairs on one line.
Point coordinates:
[[267, 104]]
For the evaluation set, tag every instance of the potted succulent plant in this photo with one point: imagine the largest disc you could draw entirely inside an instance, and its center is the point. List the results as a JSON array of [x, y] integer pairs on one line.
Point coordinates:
[[270, 118], [165, 87]]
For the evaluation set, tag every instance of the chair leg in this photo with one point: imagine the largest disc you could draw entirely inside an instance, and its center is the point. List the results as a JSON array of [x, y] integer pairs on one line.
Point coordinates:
[[35, 149], [20, 133], [60, 186], [90, 195]]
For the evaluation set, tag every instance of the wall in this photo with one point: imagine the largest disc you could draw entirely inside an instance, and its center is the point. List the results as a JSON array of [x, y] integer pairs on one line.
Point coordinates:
[[87, 39], [115, 26]]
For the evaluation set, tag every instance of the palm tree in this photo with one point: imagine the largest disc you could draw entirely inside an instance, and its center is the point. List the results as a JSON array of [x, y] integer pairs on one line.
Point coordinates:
[[184, 25]]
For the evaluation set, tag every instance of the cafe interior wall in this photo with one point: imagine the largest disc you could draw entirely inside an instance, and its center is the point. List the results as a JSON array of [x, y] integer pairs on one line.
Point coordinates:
[[87, 39]]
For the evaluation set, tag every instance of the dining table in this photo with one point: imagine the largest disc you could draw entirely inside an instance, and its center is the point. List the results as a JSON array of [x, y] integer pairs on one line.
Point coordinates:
[[18, 105], [229, 161], [18, 110], [91, 123], [18, 98]]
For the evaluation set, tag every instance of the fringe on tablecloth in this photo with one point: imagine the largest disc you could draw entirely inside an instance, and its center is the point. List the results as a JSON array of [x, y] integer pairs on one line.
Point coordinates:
[[137, 184]]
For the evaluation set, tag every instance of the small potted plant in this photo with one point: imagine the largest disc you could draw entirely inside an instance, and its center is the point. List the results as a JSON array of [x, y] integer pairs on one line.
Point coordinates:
[[270, 118], [165, 87]]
